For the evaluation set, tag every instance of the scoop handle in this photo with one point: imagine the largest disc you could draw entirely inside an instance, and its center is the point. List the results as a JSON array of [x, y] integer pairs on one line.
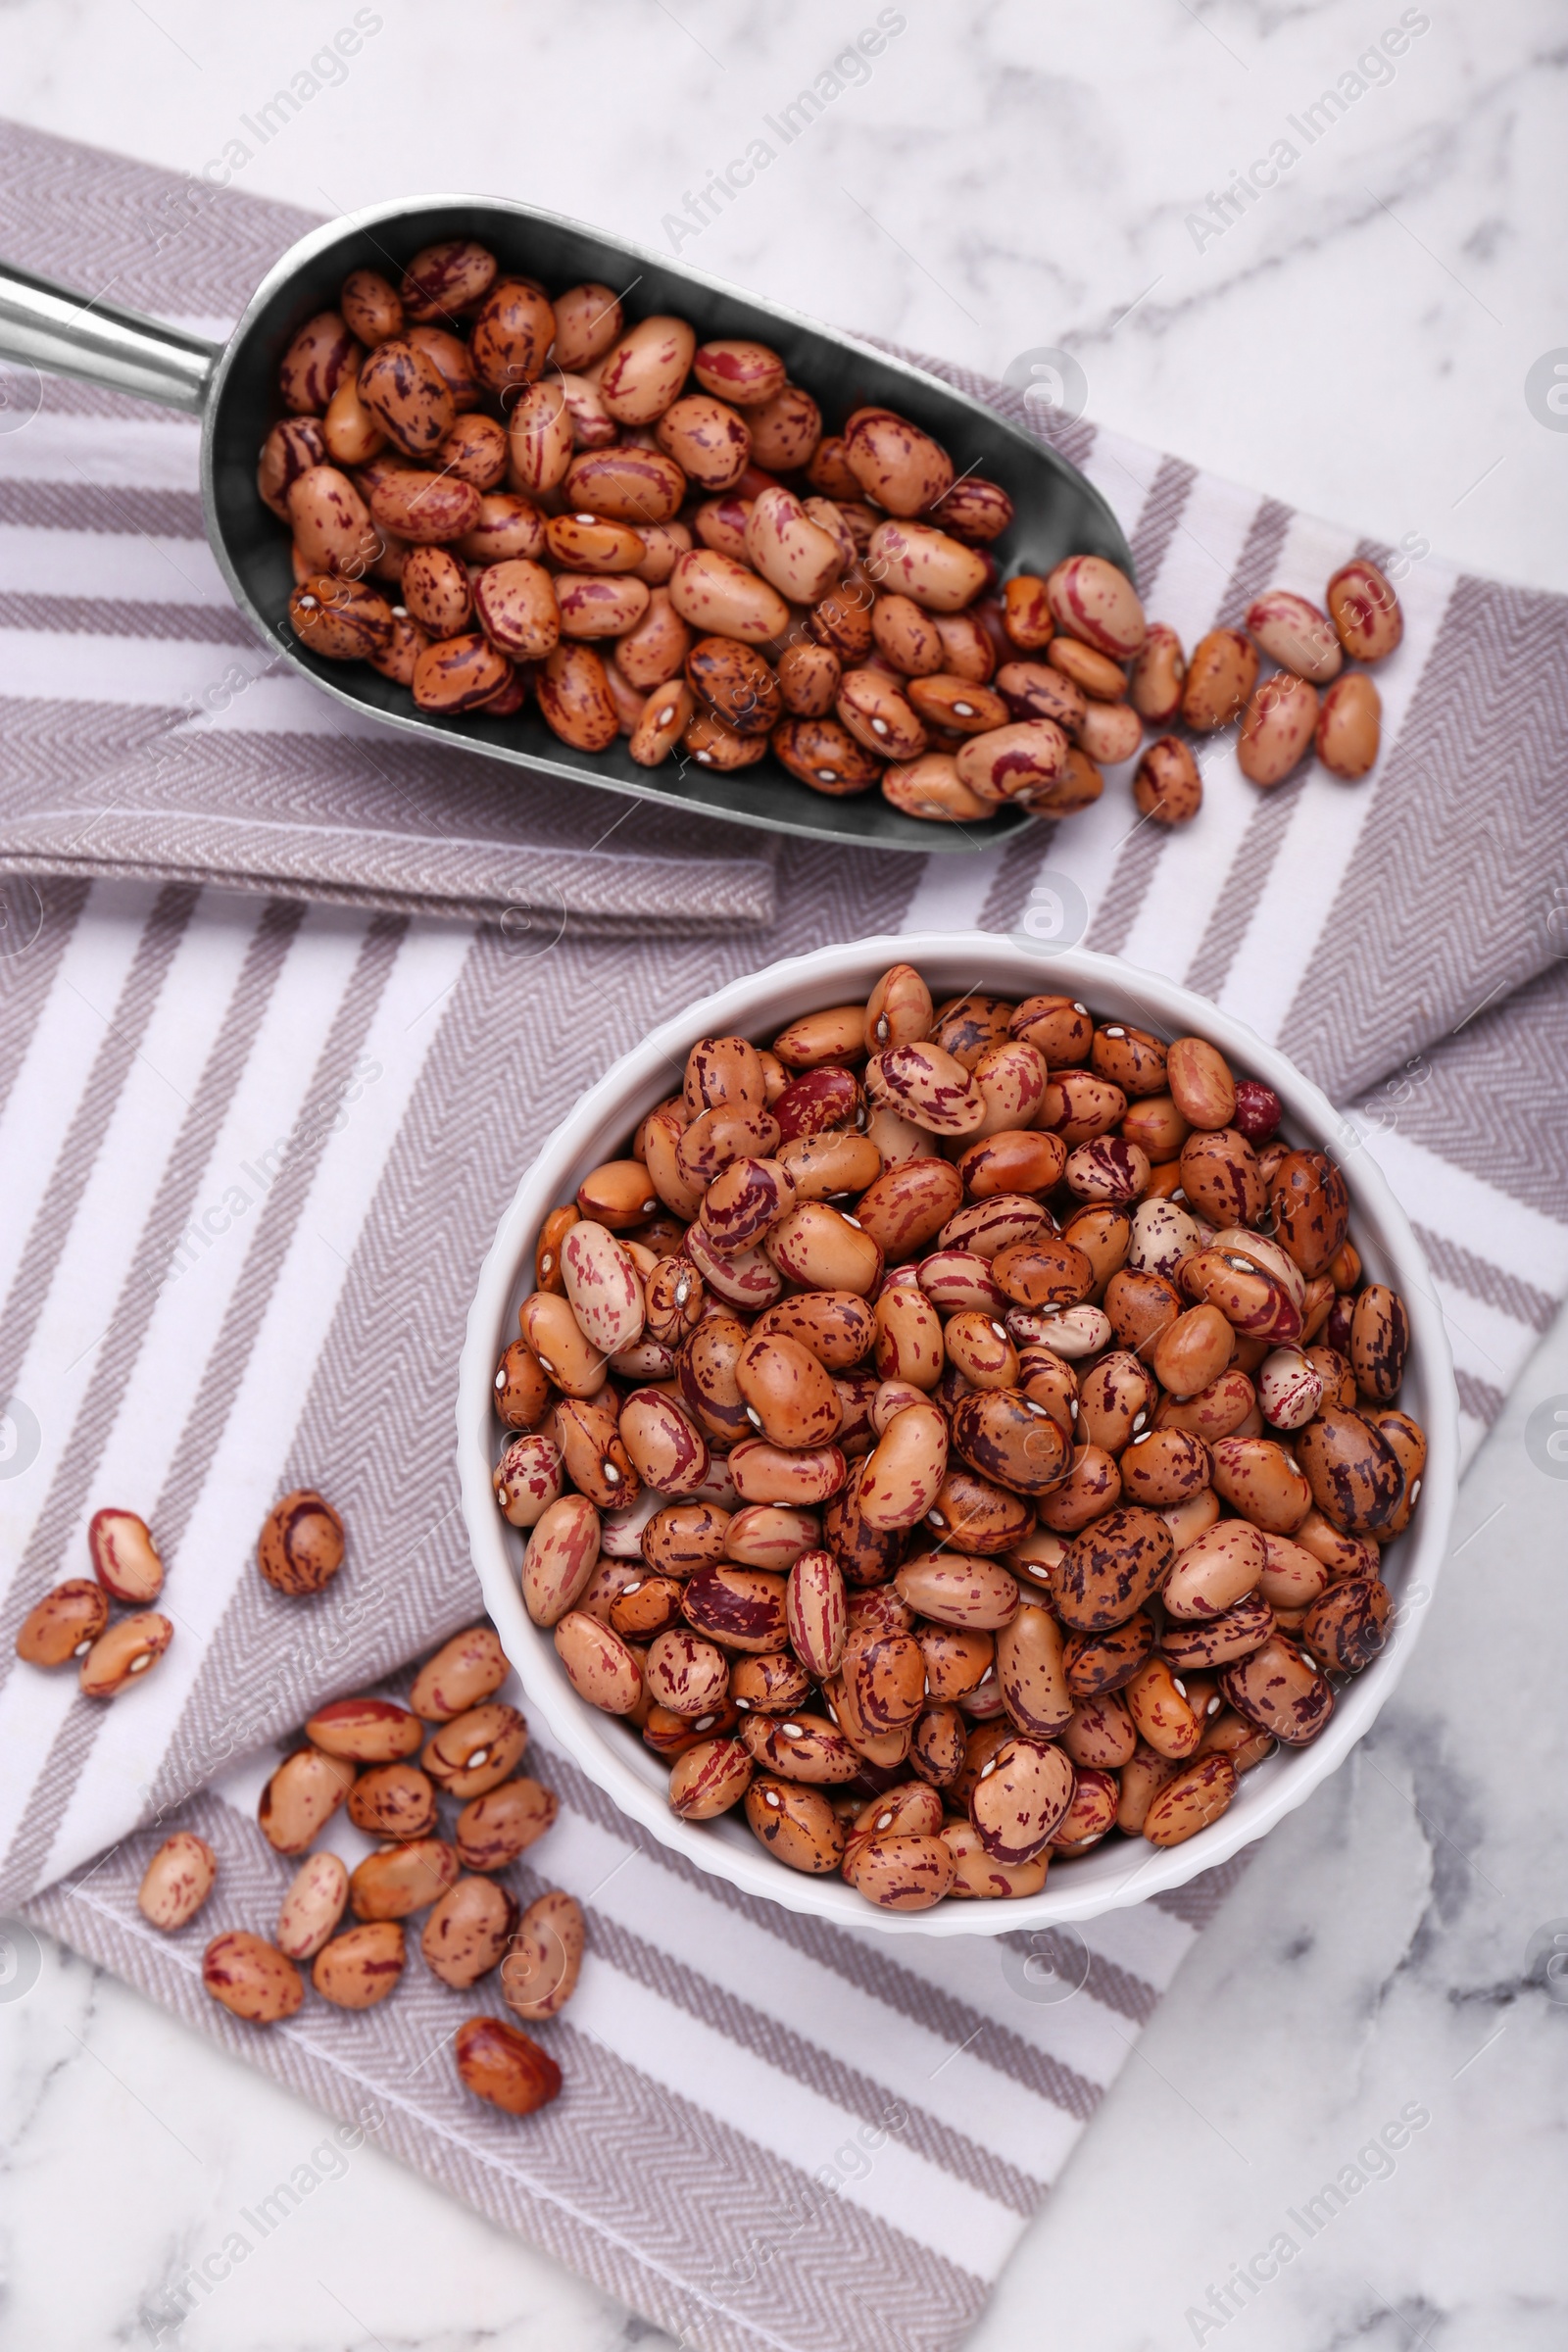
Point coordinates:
[[51, 326]]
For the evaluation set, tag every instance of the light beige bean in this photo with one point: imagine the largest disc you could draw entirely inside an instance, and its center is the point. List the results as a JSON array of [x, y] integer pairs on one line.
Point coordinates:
[[316, 1901], [645, 369], [176, 1882], [722, 598], [250, 1979], [958, 1589], [1293, 632], [301, 1798], [1095, 601], [934, 571]]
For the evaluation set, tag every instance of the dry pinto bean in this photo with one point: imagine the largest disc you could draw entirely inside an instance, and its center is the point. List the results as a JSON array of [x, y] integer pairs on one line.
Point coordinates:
[[1349, 727], [409, 397], [1365, 610], [515, 602], [1278, 1689], [599, 605], [809, 678], [821, 753], [878, 716], [124, 1654], [1380, 1342], [736, 370], [397, 1881], [460, 674], [720, 597], [707, 439], [1345, 1628], [588, 320], [800, 1747], [574, 698], [477, 1751], [176, 1882], [251, 1979], [509, 529], [1257, 1476], [796, 1823], [1190, 1801], [1277, 728], [1166, 785], [301, 1798], [793, 553], [362, 1966], [316, 1900], [504, 2068], [368, 1731], [900, 468], [735, 683], [435, 591], [1220, 677], [393, 1800], [1158, 675], [908, 639], [644, 371], [1096, 601], [1353, 1473], [741, 1607], [1311, 1208], [321, 357], [494, 1829], [1031, 1673], [467, 1931], [899, 1873], [1020, 1798], [65, 1624], [124, 1558], [465, 1671], [904, 1475], [1293, 632]]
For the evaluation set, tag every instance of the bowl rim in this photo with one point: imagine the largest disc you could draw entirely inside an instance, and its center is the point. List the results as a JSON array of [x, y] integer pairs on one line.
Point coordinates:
[[607, 1110]]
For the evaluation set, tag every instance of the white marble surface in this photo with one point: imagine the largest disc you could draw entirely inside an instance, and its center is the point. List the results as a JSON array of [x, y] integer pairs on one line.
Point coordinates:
[[1006, 178]]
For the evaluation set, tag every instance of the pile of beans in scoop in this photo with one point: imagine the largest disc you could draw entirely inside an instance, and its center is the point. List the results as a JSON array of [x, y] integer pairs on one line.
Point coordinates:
[[957, 1433], [493, 494]]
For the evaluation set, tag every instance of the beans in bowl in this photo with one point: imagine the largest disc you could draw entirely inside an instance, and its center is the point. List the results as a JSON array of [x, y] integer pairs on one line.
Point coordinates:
[[954, 1434]]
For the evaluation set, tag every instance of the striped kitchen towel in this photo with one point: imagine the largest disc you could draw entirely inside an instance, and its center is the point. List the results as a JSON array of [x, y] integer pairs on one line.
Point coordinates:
[[252, 1153], [145, 728]]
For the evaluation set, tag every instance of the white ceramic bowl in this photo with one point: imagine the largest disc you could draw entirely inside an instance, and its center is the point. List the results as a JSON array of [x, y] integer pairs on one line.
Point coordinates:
[[1121, 1871]]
